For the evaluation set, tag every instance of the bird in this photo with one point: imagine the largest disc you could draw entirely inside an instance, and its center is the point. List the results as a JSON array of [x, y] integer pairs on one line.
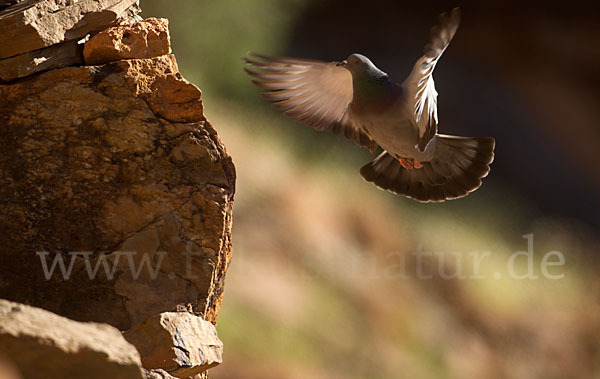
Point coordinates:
[[355, 98]]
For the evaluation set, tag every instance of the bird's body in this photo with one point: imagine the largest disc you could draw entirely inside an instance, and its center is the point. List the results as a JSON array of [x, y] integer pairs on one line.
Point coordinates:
[[357, 99], [381, 107]]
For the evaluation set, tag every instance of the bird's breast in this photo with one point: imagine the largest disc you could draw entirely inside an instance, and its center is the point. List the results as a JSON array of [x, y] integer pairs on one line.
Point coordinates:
[[390, 127], [377, 99]]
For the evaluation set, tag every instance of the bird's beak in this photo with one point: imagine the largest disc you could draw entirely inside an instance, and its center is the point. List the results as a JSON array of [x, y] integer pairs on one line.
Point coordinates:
[[342, 63]]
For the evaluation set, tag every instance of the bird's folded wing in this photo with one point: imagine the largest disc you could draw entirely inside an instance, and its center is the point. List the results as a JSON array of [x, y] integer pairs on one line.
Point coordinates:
[[420, 83], [316, 93]]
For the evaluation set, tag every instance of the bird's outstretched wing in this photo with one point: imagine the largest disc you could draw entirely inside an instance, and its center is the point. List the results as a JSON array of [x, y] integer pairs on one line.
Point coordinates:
[[316, 93], [420, 85]]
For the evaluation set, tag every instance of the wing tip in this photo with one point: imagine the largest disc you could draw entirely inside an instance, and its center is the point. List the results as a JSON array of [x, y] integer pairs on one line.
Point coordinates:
[[451, 20]]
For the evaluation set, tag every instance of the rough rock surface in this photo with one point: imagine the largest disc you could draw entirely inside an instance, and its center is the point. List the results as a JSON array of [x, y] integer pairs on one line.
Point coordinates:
[[64, 54], [46, 346], [8, 3], [109, 161], [148, 38], [32, 25], [115, 198], [157, 374], [178, 342]]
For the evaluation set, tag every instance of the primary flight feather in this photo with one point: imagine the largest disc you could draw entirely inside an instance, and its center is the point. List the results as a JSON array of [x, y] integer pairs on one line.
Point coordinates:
[[357, 99]]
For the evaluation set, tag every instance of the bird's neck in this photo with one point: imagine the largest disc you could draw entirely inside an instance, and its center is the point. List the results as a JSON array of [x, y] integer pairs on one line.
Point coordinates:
[[369, 87]]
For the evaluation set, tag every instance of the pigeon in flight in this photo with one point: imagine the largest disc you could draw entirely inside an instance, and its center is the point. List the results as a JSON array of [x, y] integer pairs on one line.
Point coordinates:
[[355, 98]]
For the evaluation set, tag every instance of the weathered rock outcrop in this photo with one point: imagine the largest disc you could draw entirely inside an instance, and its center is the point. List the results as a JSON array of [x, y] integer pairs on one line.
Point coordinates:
[[43, 345], [145, 39], [38, 35], [32, 25], [115, 191], [109, 160], [178, 342]]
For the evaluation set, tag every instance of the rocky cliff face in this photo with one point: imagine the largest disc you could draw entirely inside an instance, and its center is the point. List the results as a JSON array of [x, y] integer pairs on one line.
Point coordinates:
[[116, 192]]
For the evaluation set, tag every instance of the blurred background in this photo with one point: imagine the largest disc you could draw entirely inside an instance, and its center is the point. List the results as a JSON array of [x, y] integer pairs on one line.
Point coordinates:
[[322, 282]]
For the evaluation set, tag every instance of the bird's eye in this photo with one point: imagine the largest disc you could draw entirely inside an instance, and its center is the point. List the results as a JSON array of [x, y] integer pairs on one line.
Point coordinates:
[[356, 61]]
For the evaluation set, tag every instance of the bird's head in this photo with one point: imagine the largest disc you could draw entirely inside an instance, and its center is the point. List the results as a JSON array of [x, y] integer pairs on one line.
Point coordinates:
[[358, 63]]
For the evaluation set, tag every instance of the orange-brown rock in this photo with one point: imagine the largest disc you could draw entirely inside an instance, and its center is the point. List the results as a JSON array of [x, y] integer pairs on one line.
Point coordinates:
[[42, 345], [33, 24], [148, 38], [158, 374], [8, 370], [114, 170], [180, 343]]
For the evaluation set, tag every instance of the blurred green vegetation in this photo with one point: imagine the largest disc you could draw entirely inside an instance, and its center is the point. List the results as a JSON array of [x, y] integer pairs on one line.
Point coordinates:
[[304, 296], [210, 38]]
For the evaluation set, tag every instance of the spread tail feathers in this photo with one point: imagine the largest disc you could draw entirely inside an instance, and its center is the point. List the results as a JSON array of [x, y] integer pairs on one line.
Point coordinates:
[[456, 169]]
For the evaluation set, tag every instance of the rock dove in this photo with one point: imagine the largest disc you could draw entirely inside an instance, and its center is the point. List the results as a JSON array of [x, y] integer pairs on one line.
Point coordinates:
[[357, 99]]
